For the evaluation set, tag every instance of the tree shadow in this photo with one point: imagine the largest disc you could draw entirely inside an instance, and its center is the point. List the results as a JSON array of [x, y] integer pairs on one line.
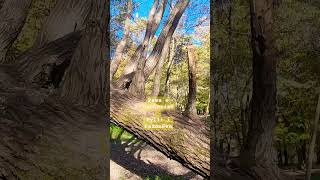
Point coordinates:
[[123, 153]]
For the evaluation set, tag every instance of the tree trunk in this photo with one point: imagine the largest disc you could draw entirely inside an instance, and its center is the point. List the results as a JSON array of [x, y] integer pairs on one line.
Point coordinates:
[[67, 16], [191, 110], [84, 81], [258, 153], [122, 44], [280, 155], [45, 136], [313, 141], [155, 16], [183, 144], [166, 33], [170, 62], [13, 14], [146, 67], [158, 73]]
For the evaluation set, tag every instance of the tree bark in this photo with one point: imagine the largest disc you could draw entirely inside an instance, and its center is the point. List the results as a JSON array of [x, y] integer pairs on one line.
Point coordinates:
[[313, 141], [122, 44], [152, 26], [13, 14], [46, 136], [158, 73], [43, 137], [191, 110], [84, 81], [166, 33], [170, 62], [258, 153], [146, 67], [67, 16], [183, 144]]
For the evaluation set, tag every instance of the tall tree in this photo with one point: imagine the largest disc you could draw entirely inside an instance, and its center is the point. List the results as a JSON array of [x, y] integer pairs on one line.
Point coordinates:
[[170, 62], [146, 67], [13, 14], [191, 110], [258, 150], [122, 44], [158, 72], [155, 16]]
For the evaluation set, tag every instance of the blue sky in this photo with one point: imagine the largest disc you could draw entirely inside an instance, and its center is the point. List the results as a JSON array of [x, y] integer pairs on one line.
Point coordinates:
[[195, 10]]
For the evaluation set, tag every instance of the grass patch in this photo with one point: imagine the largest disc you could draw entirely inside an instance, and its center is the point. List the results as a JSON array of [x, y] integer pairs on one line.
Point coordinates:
[[117, 133]]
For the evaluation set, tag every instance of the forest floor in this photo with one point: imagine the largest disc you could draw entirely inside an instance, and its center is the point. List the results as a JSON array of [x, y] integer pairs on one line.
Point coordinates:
[[138, 161]]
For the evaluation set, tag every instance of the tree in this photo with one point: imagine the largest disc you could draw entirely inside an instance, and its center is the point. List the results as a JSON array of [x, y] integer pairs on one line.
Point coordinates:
[[191, 110], [313, 141], [155, 16], [42, 141], [122, 44], [12, 17], [66, 16], [258, 150]]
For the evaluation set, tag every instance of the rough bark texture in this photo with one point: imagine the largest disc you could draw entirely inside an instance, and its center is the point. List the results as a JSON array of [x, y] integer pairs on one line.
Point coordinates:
[[12, 18], [55, 52], [67, 16], [258, 154], [188, 142], [122, 44], [191, 110], [313, 141], [84, 81], [44, 136]]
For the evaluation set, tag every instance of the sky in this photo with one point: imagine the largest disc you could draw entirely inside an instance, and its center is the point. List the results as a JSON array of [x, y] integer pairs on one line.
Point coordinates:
[[196, 9]]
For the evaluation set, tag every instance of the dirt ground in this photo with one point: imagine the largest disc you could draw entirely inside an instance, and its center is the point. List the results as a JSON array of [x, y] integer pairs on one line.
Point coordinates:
[[139, 161]]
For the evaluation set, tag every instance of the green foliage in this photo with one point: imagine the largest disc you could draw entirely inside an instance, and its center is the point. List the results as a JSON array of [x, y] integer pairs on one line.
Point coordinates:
[[117, 133]]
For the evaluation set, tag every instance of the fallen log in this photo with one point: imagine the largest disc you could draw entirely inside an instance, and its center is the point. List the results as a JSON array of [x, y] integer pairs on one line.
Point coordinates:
[[188, 143]]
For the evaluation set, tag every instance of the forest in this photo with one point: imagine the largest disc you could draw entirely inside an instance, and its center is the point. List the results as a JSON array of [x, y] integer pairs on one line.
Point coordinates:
[[77, 79], [264, 71], [160, 49], [53, 89]]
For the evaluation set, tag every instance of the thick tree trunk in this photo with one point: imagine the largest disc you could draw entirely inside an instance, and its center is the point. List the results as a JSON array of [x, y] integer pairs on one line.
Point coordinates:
[[13, 14], [44, 137], [191, 110], [313, 141], [122, 44], [67, 16], [258, 154], [84, 81], [183, 143]]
